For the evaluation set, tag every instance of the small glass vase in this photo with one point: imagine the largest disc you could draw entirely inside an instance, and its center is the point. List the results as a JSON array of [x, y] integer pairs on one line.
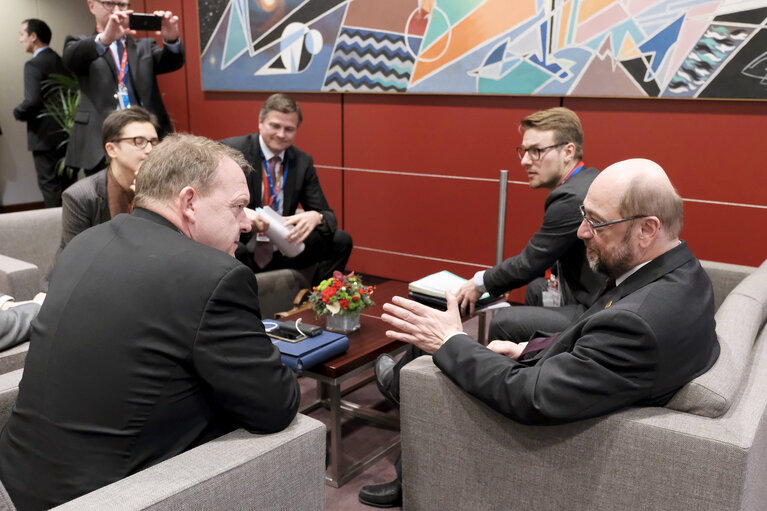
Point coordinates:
[[342, 323]]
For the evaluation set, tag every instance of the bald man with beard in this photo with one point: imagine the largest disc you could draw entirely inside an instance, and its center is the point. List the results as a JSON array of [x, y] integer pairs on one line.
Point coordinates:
[[637, 345]]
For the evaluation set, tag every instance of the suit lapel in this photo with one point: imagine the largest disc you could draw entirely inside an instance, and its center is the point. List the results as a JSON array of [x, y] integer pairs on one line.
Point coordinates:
[[288, 194], [130, 47], [253, 153], [652, 271], [110, 60]]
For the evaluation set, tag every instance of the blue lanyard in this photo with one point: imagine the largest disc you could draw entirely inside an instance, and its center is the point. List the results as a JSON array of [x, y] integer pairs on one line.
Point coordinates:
[[268, 175], [574, 171]]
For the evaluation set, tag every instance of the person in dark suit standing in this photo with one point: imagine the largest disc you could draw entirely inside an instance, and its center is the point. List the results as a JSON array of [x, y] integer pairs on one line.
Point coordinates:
[[150, 340], [283, 177], [645, 337], [115, 70], [44, 135]]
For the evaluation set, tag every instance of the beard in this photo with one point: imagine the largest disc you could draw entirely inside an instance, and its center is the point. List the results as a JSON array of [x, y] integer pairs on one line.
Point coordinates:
[[621, 259]]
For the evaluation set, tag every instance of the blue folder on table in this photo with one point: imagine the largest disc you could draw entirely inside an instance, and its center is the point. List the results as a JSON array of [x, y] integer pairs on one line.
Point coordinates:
[[311, 351]]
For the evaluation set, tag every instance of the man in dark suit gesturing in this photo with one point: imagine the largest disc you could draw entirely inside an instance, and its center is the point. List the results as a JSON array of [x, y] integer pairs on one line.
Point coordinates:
[[115, 70], [283, 177], [639, 343], [44, 135], [150, 340]]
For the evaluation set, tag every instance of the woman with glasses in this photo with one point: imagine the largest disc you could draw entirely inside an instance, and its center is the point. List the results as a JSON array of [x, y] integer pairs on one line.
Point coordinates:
[[128, 136]]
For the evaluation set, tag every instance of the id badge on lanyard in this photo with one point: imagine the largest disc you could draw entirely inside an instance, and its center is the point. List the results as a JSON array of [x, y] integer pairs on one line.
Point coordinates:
[[123, 99]]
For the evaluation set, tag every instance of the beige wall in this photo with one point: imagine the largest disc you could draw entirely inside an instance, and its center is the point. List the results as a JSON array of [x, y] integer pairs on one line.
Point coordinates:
[[18, 184]]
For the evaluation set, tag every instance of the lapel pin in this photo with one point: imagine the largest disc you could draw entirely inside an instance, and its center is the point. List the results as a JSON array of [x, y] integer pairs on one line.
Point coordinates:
[[608, 304]]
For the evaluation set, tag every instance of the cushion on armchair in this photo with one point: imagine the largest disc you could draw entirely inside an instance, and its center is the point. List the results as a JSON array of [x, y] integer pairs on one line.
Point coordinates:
[[738, 322]]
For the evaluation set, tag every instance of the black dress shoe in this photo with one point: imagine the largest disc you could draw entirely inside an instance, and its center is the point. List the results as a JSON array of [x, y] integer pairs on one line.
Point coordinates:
[[382, 495], [384, 370]]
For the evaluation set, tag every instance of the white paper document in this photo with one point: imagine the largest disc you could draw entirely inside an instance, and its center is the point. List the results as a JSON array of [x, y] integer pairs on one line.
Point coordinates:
[[277, 232], [437, 283]]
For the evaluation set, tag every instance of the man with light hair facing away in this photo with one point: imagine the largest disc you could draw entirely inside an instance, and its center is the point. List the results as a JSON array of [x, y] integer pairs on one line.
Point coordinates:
[[650, 332], [150, 340]]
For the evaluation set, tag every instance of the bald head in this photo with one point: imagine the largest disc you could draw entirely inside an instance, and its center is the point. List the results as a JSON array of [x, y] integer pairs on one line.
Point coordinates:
[[641, 187]]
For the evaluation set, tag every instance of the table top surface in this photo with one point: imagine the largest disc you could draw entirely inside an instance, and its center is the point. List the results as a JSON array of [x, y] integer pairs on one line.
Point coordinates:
[[366, 343]]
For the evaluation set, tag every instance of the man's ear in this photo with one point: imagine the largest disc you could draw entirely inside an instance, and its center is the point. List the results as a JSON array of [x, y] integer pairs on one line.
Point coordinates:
[[569, 151], [648, 230], [187, 202]]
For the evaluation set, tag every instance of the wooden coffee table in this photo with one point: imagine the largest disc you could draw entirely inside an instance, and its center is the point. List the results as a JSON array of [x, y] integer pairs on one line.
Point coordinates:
[[365, 345]]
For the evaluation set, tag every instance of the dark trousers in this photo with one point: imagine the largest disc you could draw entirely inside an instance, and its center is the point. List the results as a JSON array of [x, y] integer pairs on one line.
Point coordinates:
[[51, 184], [329, 253]]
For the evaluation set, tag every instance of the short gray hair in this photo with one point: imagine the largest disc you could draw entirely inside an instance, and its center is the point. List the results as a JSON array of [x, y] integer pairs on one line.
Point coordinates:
[[182, 160], [647, 197]]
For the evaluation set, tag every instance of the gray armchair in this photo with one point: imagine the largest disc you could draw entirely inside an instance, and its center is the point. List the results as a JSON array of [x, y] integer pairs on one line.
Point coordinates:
[[29, 241], [240, 470], [706, 450]]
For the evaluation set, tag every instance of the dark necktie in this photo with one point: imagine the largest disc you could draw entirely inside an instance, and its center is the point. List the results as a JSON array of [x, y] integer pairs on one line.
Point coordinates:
[[120, 50], [535, 345]]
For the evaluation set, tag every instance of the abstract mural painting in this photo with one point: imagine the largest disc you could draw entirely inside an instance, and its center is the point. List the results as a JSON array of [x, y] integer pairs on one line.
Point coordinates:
[[612, 48]]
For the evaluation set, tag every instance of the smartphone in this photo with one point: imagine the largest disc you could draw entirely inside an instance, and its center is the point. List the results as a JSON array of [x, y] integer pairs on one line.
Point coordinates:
[[286, 335], [141, 21]]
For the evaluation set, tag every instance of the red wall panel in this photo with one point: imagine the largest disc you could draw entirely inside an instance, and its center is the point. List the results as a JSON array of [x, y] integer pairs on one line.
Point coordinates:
[[711, 150]]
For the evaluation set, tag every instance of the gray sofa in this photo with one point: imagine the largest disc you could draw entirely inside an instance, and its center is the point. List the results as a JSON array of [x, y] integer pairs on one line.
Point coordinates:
[[706, 450], [240, 470]]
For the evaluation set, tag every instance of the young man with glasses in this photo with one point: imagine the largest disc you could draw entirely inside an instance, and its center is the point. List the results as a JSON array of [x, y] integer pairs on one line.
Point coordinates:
[[128, 137], [551, 153], [116, 70]]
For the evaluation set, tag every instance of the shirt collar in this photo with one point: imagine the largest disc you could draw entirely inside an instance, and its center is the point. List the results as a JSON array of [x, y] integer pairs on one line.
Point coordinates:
[[629, 273], [267, 153], [37, 51]]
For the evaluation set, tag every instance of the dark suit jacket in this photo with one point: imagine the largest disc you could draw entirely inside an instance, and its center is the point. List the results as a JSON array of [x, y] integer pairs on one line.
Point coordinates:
[[556, 242], [637, 345], [84, 204], [301, 185], [97, 75], [43, 134], [148, 344]]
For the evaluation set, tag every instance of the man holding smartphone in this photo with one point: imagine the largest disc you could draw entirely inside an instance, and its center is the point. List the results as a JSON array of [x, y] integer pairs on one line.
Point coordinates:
[[115, 71]]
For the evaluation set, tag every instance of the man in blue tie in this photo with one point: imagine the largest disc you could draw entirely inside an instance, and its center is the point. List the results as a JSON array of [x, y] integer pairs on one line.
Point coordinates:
[[283, 177]]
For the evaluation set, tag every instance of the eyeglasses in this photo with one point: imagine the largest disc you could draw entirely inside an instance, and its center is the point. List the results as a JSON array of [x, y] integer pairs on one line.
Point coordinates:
[[111, 5], [536, 152], [596, 225], [140, 142]]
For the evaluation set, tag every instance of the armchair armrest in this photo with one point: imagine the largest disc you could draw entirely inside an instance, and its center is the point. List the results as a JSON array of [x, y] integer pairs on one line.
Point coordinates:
[[457, 453], [19, 278], [240, 470]]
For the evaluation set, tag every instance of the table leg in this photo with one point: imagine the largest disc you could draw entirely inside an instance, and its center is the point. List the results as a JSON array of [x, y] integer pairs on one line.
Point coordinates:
[[333, 393], [481, 330]]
